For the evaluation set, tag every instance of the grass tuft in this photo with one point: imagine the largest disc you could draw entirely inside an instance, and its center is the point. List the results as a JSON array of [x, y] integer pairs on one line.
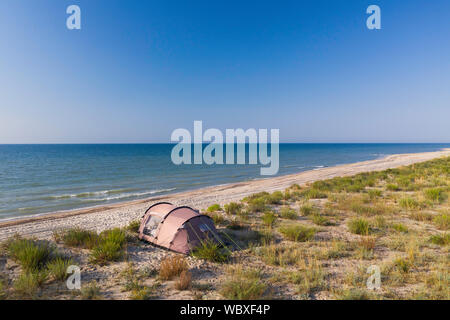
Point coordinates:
[[77, 237], [359, 226], [211, 251], [172, 267], [111, 247], [298, 233], [244, 285], [214, 208], [269, 219], [57, 268], [233, 208], [288, 213], [30, 254]]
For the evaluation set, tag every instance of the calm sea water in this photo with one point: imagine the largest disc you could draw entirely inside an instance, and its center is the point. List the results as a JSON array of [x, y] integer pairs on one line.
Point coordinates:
[[36, 179]]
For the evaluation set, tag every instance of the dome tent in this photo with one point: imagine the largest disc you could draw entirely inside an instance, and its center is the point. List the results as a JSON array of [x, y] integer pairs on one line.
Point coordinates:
[[180, 229]]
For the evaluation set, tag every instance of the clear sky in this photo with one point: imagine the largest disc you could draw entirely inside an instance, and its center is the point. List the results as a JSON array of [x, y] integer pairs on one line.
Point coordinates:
[[137, 70]]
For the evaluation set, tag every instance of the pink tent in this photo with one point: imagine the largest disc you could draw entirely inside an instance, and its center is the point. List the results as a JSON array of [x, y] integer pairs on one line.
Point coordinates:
[[180, 229]]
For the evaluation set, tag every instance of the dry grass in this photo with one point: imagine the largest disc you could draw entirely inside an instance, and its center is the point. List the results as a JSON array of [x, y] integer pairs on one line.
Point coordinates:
[[184, 281], [172, 267]]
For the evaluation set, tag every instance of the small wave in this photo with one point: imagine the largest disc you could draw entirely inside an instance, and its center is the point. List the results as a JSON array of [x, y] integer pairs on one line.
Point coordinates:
[[85, 194], [132, 195]]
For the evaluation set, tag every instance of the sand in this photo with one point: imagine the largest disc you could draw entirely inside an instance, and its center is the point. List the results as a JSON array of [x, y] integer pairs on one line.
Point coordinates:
[[119, 215]]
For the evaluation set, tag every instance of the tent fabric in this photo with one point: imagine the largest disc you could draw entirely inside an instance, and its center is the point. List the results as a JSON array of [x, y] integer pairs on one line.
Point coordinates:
[[180, 229]]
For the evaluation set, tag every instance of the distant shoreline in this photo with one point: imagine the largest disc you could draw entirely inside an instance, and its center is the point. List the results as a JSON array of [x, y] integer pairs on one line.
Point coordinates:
[[119, 214]]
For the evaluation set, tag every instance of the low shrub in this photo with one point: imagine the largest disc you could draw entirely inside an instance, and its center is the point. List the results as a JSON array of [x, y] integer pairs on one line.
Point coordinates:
[[288, 213], [298, 233], [57, 268], [275, 198], [309, 280], [77, 237], [399, 227], [111, 246], [214, 208], [374, 193], [134, 226], [257, 205], [29, 282], [277, 255], [442, 221], [217, 218], [184, 281], [211, 251], [409, 203], [392, 187], [233, 208], [313, 193], [30, 254], [354, 294], [434, 194], [269, 218], [90, 291], [244, 285], [307, 209], [402, 265], [440, 239], [172, 267], [421, 216], [321, 220], [359, 226]]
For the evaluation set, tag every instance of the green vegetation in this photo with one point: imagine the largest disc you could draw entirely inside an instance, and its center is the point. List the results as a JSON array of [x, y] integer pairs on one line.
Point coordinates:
[[321, 220], [310, 279], [233, 208], [30, 254], [111, 246], [29, 282], [434, 194], [409, 203], [401, 217], [244, 285], [442, 221], [269, 219], [57, 268], [214, 208], [400, 227], [307, 209], [77, 237], [134, 226], [298, 233], [211, 251], [217, 218], [288, 213], [359, 226], [440, 239], [90, 291]]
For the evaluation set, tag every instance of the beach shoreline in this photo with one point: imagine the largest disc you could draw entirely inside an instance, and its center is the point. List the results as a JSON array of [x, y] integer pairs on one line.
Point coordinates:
[[120, 214]]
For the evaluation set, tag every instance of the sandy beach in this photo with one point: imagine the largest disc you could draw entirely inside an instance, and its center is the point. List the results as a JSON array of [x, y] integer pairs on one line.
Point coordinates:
[[118, 215]]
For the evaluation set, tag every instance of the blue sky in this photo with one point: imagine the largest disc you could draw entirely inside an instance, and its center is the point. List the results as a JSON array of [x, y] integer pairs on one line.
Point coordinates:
[[137, 70]]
